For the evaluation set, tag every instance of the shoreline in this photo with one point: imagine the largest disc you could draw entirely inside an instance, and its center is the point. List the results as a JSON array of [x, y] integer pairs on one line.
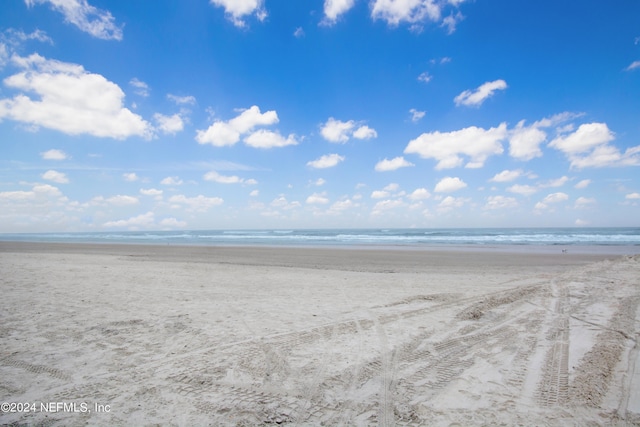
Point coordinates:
[[377, 258], [535, 249]]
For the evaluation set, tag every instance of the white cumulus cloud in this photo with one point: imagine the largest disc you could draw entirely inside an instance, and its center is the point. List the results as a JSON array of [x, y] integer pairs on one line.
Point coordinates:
[[337, 131], [447, 147], [608, 156], [386, 205], [281, 202], [169, 124], [449, 185], [379, 194], [252, 117], [393, 164], [122, 200], [151, 192], [525, 190], [340, 132], [38, 191], [411, 11], [449, 203], [317, 199], [341, 206], [478, 96], [14, 38], [506, 175], [47, 189], [524, 142], [326, 161], [54, 154], [182, 100], [551, 199], [334, 8], [222, 179], [141, 88], [69, 99], [583, 184], [584, 202], [416, 115], [558, 182], [419, 194], [587, 137], [500, 202], [55, 176], [266, 139], [365, 132], [171, 180], [425, 77], [589, 146], [451, 22], [226, 133], [236, 10], [99, 23]]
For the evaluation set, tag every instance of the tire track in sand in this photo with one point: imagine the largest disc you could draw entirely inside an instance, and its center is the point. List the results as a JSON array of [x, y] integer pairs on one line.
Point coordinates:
[[385, 404], [553, 388], [430, 367], [34, 368], [595, 371]]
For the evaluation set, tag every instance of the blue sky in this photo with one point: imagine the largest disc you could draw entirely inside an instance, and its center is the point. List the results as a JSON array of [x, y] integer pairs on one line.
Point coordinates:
[[304, 114]]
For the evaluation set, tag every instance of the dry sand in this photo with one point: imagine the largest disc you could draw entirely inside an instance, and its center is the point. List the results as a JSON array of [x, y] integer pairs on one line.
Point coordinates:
[[249, 336]]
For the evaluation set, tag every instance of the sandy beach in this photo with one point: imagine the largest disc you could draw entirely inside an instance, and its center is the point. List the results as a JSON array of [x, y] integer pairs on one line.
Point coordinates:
[[168, 335]]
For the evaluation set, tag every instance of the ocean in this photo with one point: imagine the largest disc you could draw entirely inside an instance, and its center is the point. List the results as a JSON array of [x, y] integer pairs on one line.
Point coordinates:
[[413, 237]]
